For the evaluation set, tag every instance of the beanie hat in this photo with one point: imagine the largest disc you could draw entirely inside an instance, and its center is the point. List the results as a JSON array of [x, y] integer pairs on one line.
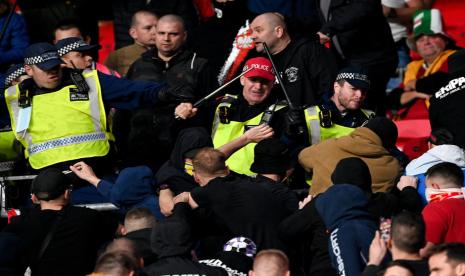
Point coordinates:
[[352, 170], [385, 129], [271, 156]]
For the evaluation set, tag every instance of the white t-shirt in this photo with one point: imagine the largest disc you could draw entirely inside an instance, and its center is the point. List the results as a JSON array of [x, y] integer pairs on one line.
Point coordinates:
[[398, 30]]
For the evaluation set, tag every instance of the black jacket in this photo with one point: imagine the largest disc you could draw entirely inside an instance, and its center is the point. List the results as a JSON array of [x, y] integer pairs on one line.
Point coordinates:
[[362, 31], [172, 172], [158, 124], [172, 242], [185, 67], [305, 232], [141, 239], [308, 70]]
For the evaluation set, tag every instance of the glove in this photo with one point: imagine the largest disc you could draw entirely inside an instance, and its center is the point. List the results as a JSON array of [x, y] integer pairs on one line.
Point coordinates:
[[27, 84], [176, 94], [295, 122]]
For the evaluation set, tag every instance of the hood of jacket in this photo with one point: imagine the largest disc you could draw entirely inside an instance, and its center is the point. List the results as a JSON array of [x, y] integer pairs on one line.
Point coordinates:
[[363, 143], [341, 203], [133, 185], [437, 154], [188, 139]]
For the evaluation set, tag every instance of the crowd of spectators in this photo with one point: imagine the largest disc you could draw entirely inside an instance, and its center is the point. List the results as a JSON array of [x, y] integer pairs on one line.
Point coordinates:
[[291, 167]]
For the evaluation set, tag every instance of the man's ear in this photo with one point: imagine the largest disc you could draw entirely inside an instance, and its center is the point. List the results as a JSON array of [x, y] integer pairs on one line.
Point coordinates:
[[242, 79], [251, 273], [34, 199], [123, 230], [185, 36], [336, 87], [196, 178], [133, 33], [279, 31], [28, 69], [460, 269]]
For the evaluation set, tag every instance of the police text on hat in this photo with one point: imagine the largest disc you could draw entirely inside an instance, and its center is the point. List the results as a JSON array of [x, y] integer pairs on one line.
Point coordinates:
[[261, 67]]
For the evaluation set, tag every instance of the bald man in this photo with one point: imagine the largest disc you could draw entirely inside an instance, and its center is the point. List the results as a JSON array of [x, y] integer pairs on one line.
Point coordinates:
[[171, 62], [270, 262], [308, 69], [143, 24]]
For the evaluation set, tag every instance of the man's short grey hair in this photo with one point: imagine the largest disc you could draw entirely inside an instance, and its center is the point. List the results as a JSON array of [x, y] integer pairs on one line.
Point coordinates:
[[138, 218]]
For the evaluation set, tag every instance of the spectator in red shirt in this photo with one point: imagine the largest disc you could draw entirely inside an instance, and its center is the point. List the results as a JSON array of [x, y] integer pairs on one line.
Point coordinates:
[[445, 213]]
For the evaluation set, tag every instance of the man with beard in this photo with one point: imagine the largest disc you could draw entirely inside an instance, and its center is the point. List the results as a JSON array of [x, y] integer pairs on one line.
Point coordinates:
[[339, 112]]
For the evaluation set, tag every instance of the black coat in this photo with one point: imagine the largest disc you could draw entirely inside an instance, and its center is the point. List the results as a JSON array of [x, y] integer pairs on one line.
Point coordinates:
[[308, 70], [362, 31], [172, 242]]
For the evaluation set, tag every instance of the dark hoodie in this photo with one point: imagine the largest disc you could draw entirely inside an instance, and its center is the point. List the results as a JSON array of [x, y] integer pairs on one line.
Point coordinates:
[[172, 242], [172, 172], [343, 210], [134, 187]]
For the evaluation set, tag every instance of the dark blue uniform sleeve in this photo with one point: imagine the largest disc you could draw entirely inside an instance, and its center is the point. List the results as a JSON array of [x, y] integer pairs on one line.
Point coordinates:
[[122, 93]]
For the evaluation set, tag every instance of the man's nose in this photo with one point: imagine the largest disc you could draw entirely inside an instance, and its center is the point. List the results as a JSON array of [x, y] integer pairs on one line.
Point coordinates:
[[358, 93]]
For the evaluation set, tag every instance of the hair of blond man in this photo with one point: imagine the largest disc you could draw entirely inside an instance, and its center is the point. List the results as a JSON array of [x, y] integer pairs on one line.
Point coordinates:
[[116, 263], [271, 262], [135, 17], [138, 218], [209, 162]]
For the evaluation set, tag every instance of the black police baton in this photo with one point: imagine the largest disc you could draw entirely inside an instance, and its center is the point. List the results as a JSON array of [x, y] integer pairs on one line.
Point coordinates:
[[300, 128], [212, 94], [280, 80]]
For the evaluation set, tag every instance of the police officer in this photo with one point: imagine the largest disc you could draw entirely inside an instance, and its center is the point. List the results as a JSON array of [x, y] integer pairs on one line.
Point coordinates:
[[58, 114], [75, 52], [340, 110], [10, 149], [235, 114]]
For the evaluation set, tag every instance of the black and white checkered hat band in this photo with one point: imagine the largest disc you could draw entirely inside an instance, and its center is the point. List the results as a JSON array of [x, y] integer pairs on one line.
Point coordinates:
[[42, 58], [11, 77], [353, 76], [70, 47]]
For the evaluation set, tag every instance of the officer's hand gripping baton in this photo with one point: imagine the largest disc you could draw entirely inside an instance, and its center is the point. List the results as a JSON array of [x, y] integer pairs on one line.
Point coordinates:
[[212, 94]]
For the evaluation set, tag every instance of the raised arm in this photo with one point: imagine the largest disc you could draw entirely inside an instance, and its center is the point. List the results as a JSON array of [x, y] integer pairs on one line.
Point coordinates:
[[255, 135]]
